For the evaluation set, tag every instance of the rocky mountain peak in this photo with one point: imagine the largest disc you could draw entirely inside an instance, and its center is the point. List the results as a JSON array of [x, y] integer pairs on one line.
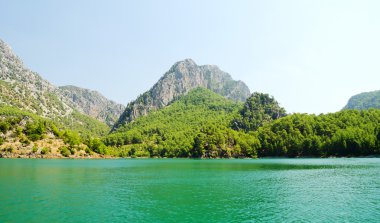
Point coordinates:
[[12, 70], [181, 78], [6, 51], [185, 63], [181, 67], [27, 90]]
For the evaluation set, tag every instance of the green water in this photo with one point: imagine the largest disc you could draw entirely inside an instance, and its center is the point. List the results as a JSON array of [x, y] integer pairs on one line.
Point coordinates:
[[181, 190]]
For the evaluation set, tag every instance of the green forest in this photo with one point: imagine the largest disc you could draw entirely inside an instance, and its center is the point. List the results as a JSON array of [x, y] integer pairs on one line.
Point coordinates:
[[196, 125], [364, 101], [203, 124], [27, 128], [345, 133]]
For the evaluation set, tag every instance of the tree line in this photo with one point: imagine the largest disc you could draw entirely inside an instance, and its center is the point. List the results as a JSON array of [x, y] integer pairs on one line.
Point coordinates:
[[203, 124]]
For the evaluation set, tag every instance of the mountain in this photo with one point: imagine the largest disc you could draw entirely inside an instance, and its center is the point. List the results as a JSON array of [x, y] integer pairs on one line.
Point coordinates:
[[27, 90], [195, 125], [364, 101], [182, 77], [258, 110], [93, 104]]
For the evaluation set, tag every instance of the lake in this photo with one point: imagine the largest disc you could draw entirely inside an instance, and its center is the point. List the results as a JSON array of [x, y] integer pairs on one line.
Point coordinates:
[[185, 190]]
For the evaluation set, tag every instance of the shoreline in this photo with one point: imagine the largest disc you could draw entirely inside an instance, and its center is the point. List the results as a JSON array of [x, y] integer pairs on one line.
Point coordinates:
[[109, 157], [53, 156]]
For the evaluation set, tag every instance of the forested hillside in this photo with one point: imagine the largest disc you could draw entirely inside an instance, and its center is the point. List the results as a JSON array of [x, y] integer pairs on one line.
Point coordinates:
[[26, 135], [201, 125], [345, 133], [27, 90], [258, 110], [364, 101], [196, 125]]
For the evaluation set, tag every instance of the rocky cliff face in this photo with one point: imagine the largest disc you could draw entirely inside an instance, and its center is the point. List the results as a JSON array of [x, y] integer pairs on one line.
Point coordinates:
[[25, 89], [182, 77], [93, 104]]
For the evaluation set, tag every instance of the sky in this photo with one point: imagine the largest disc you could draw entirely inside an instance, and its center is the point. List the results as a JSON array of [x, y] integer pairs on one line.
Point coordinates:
[[312, 56]]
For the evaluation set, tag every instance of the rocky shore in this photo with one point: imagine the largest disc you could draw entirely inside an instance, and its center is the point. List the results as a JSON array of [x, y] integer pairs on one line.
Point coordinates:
[[47, 149]]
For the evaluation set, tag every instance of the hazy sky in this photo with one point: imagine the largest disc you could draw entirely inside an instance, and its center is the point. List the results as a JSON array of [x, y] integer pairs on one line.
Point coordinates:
[[310, 55]]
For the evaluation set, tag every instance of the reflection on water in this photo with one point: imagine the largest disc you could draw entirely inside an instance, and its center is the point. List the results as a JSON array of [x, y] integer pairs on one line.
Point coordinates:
[[182, 190]]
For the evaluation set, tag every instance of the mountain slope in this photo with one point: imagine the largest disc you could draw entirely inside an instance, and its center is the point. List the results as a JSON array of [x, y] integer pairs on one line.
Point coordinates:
[[28, 91], [25, 89], [195, 125], [182, 77], [258, 110], [364, 101], [340, 134], [93, 104]]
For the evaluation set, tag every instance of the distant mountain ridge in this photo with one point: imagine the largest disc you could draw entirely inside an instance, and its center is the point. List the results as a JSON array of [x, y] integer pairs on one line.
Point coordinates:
[[181, 78], [93, 104], [27, 90], [363, 101]]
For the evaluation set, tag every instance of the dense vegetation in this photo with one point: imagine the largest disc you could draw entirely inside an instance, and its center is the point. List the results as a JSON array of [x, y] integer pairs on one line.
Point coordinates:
[[84, 125], [345, 133], [364, 101], [196, 125], [259, 109], [204, 124], [22, 126], [25, 126]]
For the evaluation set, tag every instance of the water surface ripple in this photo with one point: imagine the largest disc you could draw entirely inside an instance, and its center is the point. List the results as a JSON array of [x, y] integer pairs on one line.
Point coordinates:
[[183, 190]]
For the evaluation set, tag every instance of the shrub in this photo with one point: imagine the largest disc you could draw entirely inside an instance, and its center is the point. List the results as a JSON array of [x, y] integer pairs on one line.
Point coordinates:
[[55, 131], [25, 141], [71, 138], [141, 153], [72, 150], [4, 127], [97, 146], [87, 150], [19, 131], [65, 151], [34, 149], [45, 151], [34, 137], [35, 131]]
